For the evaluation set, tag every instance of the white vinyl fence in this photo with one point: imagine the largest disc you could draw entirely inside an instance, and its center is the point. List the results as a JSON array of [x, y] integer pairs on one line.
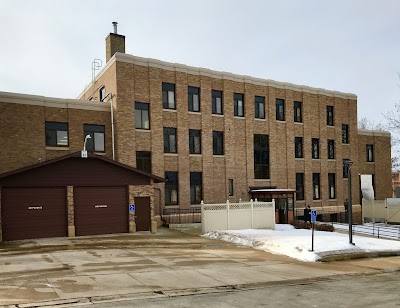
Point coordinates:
[[387, 210], [237, 216]]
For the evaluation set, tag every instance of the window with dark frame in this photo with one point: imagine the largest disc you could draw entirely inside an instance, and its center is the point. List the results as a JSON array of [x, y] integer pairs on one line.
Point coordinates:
[[345, 169], [96, 141], [370, 153], [102, 93], [332, 185], [298, 112], [316, 186], [217, 107], [259, 107], [238, 104], [171, 188], [280, 109], [329, 116], [218, 143], [315, 148], [298, 147], [170, 140], [196, 187], [230, 187], [56, 134], [142, 115], [143, 161], [345, 133], [194, 99], [168, 95], [261, 157], [194, 141], [331, 149], [299, 186]]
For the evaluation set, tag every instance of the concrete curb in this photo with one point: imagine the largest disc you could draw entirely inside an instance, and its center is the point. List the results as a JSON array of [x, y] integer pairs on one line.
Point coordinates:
[[358, 255]]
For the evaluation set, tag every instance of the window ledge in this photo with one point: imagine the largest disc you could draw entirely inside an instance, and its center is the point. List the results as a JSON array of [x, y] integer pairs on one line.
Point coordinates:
[[217, 155], [262, 179], [316, 159], [170, 154], [370, 162], [298, 123], [331, 126], [261, 119], [299, 158], [196, 206], [172, 206], [218, 115], [57, 148], [169, 110], [333, 200], [194, 112], [195, 155], [100, 153], [331, 159], [239, 117], [280, 121], [143, 130], [345, 143], [317, 200]]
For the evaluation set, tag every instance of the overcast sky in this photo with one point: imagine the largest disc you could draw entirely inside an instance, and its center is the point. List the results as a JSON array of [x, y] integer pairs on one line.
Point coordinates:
[[46, 47]]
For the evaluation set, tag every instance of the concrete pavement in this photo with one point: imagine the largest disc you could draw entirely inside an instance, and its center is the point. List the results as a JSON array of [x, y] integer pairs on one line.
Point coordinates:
[[90, 269]]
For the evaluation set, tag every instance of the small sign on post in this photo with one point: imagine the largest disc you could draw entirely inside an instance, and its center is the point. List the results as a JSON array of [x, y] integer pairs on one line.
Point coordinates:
[[131, 207], [313, 220]]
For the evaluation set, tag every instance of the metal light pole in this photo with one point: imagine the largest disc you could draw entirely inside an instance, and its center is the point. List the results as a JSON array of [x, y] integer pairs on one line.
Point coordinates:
[[348, 163]]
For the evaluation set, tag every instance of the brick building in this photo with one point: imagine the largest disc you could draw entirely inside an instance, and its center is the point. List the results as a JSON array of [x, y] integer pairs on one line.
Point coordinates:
[[212, 135]]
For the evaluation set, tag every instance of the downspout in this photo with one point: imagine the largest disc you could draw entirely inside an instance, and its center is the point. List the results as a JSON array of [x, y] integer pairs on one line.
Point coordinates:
[[112, 127]]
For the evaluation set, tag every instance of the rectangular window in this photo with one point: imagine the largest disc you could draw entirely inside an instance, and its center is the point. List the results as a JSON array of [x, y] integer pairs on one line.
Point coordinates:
[[217, 107], [194, 141], [332, 185], [170, 140], [218, 143], [171, 188], [261, 157], [299, 186], [316, 186], [96, 141], [102, 93], [259, 105], [298, 112], [370, 152], [196, 187], [230, 187], [194, 99], [329, 116], [331, 149], [345, 133], [142, 118], [143, 161], [298, 147], [168, 95], [315, 148], [280, 109], [56, 134], [238, 104], [345, 169]]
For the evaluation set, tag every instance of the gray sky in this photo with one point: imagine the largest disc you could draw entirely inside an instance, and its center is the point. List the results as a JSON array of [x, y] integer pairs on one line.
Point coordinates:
[[346, 45]]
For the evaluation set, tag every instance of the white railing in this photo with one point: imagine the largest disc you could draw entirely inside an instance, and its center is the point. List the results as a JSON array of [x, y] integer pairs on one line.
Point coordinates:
[[237, 216]]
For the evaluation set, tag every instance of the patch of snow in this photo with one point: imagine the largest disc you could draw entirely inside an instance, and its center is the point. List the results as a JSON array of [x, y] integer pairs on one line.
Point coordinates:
[[296, 243]]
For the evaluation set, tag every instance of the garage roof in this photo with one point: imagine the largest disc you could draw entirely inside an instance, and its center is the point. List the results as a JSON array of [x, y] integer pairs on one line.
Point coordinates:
[[72, 168]]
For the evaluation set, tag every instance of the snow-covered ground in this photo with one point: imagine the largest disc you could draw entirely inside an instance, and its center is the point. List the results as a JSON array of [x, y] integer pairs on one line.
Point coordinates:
[[296, 243]]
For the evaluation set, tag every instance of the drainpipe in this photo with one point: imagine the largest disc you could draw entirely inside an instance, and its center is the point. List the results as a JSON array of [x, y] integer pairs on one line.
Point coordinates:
[[112, 125]]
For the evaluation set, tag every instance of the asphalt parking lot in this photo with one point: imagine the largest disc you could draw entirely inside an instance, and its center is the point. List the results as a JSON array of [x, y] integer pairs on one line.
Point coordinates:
[[98, 268]]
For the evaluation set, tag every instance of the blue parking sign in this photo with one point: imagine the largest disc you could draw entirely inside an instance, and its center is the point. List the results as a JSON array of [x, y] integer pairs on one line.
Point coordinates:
[[131, 207], [313, 216]]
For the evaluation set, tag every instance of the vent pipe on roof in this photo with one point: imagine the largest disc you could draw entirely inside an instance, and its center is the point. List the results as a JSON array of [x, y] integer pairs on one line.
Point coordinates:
[[115, 27]]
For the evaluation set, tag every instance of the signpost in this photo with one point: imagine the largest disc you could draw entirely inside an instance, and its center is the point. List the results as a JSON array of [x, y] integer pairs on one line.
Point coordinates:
[[313, 220], [131, 208]]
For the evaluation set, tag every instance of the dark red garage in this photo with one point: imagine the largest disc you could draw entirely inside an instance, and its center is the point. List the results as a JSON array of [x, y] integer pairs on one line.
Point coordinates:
[[71, 196]]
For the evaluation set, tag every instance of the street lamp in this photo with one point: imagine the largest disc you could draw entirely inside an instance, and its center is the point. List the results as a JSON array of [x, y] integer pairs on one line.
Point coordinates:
[[347, 164], [84, 152]]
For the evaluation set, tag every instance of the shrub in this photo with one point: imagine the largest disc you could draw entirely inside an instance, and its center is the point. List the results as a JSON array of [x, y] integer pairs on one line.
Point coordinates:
[[299, 224]]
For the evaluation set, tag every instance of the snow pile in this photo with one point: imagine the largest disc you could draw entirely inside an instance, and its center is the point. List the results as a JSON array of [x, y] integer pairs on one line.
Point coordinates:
[[296, 243]]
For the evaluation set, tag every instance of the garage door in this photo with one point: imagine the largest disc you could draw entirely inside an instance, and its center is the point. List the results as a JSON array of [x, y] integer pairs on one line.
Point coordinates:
[[100, 210], [33, 213]]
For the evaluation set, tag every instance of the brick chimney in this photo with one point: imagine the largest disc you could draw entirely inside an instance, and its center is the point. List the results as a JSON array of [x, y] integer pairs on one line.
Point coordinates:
[[114, 43]]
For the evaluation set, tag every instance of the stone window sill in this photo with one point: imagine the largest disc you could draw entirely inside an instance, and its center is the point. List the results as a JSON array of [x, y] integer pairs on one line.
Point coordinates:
[[57, 148]]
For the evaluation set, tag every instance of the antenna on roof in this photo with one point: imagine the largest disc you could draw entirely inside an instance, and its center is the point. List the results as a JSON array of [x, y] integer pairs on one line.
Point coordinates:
[[96, 65]]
